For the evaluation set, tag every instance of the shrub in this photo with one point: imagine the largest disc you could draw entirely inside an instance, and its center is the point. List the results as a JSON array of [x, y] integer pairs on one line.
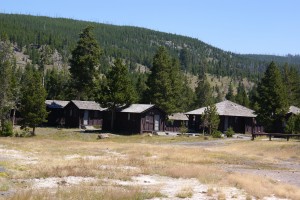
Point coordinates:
[[7, 129], [216, 134], [230, 132]]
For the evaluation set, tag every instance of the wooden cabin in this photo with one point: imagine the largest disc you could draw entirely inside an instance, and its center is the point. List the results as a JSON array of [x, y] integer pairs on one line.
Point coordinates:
[[136, 118], [176, 121], [55, 109], [240, 118], [83, 113]]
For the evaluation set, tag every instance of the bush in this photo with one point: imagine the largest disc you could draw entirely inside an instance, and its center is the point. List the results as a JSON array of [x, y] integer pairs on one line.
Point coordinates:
[[230, 132], [7, 129], [216, 134]]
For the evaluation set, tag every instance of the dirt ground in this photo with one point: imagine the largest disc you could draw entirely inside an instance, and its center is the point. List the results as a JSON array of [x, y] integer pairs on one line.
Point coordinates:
[[50, 164]]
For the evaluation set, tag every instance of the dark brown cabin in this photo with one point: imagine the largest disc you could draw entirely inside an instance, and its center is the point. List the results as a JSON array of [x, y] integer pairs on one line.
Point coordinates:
[[240, 118], [55, 109], [83, 113], [176, 121], [136, 118]]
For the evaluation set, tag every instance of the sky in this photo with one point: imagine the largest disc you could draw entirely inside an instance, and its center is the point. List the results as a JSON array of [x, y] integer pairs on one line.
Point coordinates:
[[239, 26]]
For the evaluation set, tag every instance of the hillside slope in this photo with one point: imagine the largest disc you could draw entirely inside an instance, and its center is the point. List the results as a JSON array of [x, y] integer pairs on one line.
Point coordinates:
[[136, 45]]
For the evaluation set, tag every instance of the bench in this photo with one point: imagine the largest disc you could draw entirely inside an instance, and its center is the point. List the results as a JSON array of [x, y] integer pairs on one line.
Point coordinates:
[[287, 136]]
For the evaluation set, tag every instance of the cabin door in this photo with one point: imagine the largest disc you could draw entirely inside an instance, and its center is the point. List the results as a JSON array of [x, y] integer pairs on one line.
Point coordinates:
[[225, 123], [85, 117], [156, 122]]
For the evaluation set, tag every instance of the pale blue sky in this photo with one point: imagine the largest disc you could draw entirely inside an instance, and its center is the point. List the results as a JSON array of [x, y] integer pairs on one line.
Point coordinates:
[[240, 26]]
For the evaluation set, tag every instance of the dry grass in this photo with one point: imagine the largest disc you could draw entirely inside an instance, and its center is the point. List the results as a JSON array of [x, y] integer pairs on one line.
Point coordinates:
[[186, 192], [261, 187], [82, 192], [61, 154]]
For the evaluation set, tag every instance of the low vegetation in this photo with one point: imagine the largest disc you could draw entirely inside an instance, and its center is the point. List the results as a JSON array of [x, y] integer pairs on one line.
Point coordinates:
[[75, 165]]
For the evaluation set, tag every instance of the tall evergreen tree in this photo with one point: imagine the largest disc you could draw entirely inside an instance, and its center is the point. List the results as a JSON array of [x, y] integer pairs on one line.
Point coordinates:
[[204, 94], [33, 97], [84, 63], [56, 84], [230, 96], [273, 104], [164, 82], [241, 97], [6, 95], [117, 90], [292, 82]]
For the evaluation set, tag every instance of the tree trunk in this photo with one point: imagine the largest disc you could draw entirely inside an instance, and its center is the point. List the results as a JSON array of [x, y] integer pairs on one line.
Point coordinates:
[[14, 117], [33, 131]]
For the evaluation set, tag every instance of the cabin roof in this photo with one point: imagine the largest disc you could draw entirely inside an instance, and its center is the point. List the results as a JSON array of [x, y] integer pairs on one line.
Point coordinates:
[[178, 116], [294, 110], [227, 108], [137, 108], [56, 103], [87, 105]]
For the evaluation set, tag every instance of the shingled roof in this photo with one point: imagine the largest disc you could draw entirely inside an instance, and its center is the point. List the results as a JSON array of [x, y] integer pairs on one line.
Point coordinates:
[[56, 103], [295, 110], [227, 108], [87, 105], [137, 108]]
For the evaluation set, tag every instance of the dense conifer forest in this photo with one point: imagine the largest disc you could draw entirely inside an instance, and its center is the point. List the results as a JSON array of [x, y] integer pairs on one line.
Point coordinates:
[[136, 45]]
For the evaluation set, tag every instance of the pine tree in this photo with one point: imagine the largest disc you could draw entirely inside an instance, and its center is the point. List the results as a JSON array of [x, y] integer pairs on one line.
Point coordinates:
[[84, 63], [6, 95], [33, 96], [117, 90], [210, 118], [204, 95], [292, 82], [230, 96], [56, 84], [241, 96], [273, 104], [165, 83]]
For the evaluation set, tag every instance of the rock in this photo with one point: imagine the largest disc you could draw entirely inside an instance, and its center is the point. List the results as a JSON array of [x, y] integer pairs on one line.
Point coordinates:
[[103, 136]]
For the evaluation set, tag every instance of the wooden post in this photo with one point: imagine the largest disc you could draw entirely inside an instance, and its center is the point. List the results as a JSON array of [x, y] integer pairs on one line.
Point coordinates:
[[270, 136]]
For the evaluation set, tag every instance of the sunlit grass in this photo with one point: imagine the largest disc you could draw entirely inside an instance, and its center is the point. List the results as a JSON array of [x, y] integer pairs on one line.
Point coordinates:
[[65, 153]]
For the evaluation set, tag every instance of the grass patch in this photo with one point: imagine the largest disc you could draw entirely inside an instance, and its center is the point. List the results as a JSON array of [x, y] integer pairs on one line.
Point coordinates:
[[186, 192], [62, 153]]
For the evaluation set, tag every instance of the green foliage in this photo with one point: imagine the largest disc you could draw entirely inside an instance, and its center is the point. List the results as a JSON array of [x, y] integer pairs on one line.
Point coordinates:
[[7, 129], [230, 96], [293, 124], [183, 129], [6, 74], [216, 134], [84, 63], [230, 132], [204, 96], [137, 45], [291, 79], [273, 104], [117, 90], [56, 84], [32, 108], [210, 118], [166, 83], [241, 97]]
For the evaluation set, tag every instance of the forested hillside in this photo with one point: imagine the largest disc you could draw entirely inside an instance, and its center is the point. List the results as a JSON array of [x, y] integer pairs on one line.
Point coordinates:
[[136, 45]]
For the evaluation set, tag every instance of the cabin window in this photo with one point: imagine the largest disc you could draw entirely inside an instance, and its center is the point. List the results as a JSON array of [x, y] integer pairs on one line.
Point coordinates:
[[128, 116], [70, 112]]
